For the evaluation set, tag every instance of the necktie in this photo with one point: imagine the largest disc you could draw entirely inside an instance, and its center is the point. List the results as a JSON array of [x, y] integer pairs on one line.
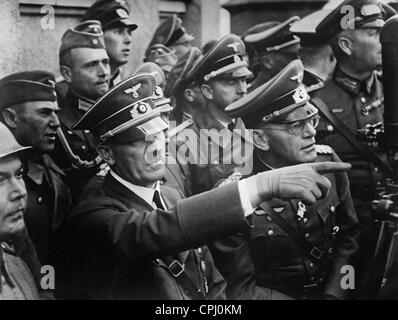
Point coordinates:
[[157, 201]]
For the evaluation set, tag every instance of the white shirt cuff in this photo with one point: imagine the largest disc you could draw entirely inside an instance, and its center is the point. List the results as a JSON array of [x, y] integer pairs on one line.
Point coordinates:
[[245, 199]]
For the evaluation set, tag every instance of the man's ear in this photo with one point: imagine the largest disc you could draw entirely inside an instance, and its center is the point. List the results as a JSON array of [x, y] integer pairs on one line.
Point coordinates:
[[261, 140], [189, 95], [207, 91], [345, 45], [267, 62], [107, 154], [66, 72], [10, 117]]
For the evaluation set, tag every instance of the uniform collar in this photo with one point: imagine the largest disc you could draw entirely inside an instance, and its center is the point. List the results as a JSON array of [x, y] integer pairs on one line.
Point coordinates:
[[116, 77], [352, 85], [143, 192], [84, 104]]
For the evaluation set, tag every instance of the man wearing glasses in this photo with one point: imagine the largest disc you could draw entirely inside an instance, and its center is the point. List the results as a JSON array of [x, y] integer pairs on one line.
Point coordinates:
[[292, 250]]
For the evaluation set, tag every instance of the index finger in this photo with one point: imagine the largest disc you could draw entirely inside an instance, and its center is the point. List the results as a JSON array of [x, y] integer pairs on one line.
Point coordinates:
[[329, 166]]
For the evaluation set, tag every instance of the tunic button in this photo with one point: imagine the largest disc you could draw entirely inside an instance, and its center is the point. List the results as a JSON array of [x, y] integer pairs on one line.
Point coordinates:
[[86, 131], [307, 235], [70, 132], [376, 169], [269, 219], [332, 209], [271, 232], [311, 264], [329, 128], [363, 99], [200, 250], [305, 220], [39, 199], [84, 147]]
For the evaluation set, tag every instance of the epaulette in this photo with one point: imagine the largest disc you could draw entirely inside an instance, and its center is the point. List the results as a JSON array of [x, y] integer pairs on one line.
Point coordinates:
[[315, 87], [323, 149], [235, 177], [173, 132]]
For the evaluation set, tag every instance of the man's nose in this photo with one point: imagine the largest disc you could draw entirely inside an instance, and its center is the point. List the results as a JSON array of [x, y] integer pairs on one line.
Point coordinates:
[[127, 37], [18, 189], [242, 87], [309, 130], [54, 122]]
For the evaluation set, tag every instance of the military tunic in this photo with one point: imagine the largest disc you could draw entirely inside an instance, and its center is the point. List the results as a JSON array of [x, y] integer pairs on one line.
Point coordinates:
[[210, 159], [267, 263], [115, 244], [48, 203], [16, 281], [81, 142], [350, 101]]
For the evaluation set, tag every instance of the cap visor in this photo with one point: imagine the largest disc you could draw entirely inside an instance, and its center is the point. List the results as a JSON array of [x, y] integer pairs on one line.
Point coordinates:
[[129, 23], [153, 126], [241, 72], [21, 152], [378, 23]]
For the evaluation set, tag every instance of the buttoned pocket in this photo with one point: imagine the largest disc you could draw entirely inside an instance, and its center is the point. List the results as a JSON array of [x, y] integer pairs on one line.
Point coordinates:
[[271, 245]]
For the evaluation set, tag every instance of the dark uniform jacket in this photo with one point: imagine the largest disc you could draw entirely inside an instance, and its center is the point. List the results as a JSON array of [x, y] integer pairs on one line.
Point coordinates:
[[210, 159], [267, 263], [16, 281], [48, 203], [349, 100], [114, 242], [81, 142]]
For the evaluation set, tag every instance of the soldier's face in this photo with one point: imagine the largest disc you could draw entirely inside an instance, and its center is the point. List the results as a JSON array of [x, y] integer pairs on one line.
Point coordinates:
[[12, 197], [37, 124], [141, 162], [181, 49], [286, 148], [366, 48], [225, 92], [118, 43], [90, 72]]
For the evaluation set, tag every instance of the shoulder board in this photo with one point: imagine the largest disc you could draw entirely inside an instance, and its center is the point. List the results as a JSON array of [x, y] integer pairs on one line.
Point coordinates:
[[180, 127], [323, 149], [315, 87]]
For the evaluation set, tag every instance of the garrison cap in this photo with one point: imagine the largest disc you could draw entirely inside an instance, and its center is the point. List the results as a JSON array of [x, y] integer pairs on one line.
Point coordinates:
[[305, 29], [111, 14], [272, 36], [126, 113], [366, 14], [159, 99], [8, 143], [177, 79], [170, 32], [224, 60], [27, 86], [272, 101], [87, 34]]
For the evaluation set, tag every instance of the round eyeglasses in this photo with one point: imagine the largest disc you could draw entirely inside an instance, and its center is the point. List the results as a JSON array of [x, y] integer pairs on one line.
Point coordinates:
[[297, 127]]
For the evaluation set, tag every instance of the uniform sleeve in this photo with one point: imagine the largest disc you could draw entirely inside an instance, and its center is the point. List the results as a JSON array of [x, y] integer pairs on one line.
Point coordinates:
[[233, 258], [126, 234], [346, 244]]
